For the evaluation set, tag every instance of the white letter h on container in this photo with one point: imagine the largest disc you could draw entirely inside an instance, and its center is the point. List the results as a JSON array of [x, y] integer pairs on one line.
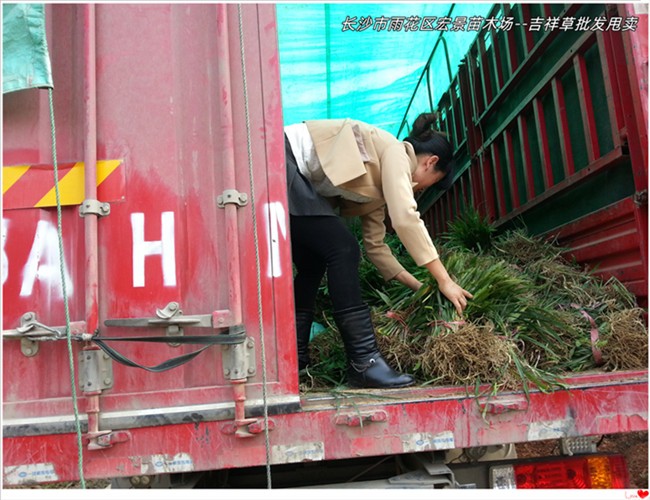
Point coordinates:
[[164, 247]]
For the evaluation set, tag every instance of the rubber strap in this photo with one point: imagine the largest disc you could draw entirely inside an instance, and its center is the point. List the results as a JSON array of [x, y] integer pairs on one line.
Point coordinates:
[[206, 340]]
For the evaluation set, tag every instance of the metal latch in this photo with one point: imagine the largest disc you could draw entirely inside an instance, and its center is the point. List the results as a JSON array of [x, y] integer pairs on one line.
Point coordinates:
[[107, 439], [94, 207], [31, 331], [170, 317], [232, 196], [255, 427]]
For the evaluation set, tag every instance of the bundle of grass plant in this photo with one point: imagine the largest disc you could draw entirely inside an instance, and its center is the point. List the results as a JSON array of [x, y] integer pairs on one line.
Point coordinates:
[[529, 303], [470, 231], [399, 345], [582, 298], [328, 362], [522, 249], [502, 298], [470, 354], [625, 340]]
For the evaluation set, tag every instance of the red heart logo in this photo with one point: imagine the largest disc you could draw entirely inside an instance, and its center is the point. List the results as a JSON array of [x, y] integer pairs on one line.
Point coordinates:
[[642, 493]]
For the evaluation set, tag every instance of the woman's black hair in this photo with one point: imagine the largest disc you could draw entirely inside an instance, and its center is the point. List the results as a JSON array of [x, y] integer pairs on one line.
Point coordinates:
[[427, 140]]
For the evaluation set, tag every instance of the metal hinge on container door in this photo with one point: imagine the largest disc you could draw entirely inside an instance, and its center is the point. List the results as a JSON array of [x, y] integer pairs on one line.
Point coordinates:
[[95, 371]]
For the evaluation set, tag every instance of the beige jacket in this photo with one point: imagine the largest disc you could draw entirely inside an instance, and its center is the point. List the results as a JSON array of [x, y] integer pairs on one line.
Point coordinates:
[[385, 177]]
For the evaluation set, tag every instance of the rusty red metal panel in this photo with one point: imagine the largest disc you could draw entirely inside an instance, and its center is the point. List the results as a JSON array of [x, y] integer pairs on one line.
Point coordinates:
[[162, 98], [329, 429], [633, 81], [608, 242]]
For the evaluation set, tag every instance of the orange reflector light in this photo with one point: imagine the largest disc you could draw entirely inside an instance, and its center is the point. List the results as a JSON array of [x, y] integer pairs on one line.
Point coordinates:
[[586, 471]]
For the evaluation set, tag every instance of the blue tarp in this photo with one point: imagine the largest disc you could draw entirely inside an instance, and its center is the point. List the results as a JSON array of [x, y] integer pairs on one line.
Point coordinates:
[[363, 61], [25, 58]]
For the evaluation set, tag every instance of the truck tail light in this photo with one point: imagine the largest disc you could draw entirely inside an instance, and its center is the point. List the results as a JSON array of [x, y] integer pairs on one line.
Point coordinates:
[[586, 471]]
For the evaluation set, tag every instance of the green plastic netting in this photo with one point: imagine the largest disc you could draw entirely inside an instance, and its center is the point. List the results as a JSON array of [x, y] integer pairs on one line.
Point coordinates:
[[363, 61]]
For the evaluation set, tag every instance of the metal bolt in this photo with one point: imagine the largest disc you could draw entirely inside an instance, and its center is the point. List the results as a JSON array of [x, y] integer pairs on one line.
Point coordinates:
[[251, 371], [107, 381], [227, 371], [28, 351], [221, 321], [250, 344], [146, 480], [135, 480]]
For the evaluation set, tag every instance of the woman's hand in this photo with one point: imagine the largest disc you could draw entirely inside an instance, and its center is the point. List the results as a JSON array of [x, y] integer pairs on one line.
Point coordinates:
[[449, 288], [457, 295]]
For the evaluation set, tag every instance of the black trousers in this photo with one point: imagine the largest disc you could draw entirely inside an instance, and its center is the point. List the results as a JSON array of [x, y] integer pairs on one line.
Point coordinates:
[[323, 244], [320, 243]]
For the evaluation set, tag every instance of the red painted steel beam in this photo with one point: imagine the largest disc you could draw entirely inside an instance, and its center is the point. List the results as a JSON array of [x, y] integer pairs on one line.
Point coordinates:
[[496, 57], [586, 108], [477, 88], [544, 151], [527, 34], [563, 127], [485, 70], [512, 59], [499, 179], [488, 187], [612, 91], [524, 141], [512, 169]]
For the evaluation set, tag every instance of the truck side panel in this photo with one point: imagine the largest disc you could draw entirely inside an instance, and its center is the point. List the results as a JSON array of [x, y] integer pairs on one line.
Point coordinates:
[[174, 130], [556, 136]]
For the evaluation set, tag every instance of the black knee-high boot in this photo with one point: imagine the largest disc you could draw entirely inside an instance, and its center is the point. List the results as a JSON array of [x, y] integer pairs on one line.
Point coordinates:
[[367, 368], [304, 318]]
